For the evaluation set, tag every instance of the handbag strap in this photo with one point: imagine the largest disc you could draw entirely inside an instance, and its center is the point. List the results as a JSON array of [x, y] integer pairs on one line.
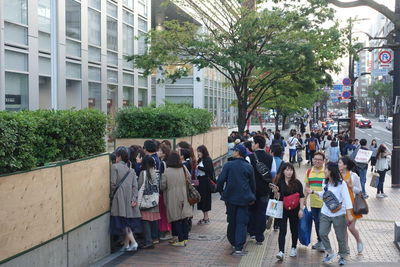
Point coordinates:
[[120, 183]]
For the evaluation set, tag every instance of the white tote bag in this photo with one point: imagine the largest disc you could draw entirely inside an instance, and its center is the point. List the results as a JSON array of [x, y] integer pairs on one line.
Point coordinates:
[[275, 209], [363, 156]]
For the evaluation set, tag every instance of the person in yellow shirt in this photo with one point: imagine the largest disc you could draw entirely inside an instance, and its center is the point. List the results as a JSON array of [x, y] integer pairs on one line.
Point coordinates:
[[314, 179]]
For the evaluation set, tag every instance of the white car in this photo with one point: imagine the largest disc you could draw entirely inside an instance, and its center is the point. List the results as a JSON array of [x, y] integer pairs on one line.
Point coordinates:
[[389, 123], [333, 128]]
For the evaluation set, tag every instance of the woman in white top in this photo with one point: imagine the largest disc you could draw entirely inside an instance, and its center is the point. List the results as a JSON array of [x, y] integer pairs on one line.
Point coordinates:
[[382, 166], [292, 142], [334, 184], [354, 186]]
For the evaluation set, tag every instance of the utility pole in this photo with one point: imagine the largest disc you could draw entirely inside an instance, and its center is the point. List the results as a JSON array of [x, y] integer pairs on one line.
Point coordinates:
[[352, 104], [396, 116]]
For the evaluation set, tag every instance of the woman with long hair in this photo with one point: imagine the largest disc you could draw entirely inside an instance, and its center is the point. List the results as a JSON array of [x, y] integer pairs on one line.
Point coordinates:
[[382, 166], [289, 187], [374, 148], [204, 173], [179, 210], [150, 217], [346, 167], [340, 205], [125, 214]]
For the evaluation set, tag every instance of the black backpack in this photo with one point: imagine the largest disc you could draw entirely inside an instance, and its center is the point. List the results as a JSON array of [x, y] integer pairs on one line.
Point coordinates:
[[262, 169]]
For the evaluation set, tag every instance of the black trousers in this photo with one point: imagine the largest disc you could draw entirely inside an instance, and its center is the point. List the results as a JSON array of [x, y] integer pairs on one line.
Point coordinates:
[[150, 231], [293, 217], [181, 228], [381, 181]]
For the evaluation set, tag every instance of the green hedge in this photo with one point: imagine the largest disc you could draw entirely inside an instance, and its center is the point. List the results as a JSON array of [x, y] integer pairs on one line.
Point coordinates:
[[167, 121], [30, 139]]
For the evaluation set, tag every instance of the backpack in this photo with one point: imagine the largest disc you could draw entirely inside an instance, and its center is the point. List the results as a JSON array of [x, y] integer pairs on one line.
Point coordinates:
[[262, 169], [312, 146], [334, 154], [331, 200]]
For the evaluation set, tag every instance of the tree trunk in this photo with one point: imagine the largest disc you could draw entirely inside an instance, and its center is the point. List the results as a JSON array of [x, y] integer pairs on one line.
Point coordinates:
[[242, 113], [283, 122], [277, 121]]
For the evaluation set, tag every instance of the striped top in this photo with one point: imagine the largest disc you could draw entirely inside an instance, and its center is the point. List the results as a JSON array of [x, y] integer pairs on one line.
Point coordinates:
[[315, 179]]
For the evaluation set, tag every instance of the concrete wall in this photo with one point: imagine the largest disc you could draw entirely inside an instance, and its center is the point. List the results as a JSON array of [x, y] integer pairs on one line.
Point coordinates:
[[80, 247]]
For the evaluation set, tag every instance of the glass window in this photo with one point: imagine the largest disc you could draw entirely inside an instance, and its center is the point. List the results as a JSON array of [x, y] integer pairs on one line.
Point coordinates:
[[73, 19], [16, 91], [142, 47], [128, 17], [112, 58], [15, 34], [19, 11], [128, 96], [112, 34], [128, 36], [142, 100], [142, 81], [128, 3], [94, 27], [73, 94], [73, 48], [142, 9], [112, 76], [94, 54], [112, 99], [94, 74], [142, 25], [128, 79], [95, 4], [127, 64], [73, 71], [112, 10], [44, 15], [44, 42], [16, 61], [44, 66], [94, 95], [44, 92]]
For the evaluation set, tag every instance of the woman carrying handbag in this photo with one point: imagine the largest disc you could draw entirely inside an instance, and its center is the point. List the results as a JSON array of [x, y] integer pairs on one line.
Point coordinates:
[[382, 166], [354, 186]]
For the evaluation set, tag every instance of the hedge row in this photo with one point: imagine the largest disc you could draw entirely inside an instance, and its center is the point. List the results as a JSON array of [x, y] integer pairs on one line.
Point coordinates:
[[30, 139], [167, 121]]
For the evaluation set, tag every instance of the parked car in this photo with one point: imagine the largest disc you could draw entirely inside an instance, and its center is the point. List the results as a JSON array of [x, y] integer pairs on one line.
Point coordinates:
[[358, 117], [333, 129], [389, 123], [382, 118], [364, 123]]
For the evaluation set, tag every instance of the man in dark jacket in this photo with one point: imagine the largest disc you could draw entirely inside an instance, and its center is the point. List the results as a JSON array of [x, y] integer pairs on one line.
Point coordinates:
[[258, 219], [237, 186]]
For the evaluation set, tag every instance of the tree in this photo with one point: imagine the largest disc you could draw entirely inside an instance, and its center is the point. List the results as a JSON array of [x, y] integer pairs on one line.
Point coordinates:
[[254, 50], [381, 90]]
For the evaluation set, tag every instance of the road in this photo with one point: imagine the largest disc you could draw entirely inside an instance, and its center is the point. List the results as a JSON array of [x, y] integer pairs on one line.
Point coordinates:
[[378, 132]]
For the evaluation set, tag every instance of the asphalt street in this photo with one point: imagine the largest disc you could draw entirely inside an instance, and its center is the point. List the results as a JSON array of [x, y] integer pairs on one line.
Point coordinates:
[[378, 132]]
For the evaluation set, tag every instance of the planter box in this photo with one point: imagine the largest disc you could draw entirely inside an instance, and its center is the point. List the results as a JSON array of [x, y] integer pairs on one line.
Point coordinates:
[[215, 140], [47, 203]]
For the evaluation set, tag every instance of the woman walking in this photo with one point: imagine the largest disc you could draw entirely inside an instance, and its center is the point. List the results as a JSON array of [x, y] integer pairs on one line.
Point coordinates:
[[150, 217], [125, 214], [346, 165], [382, 166], [205, 173], [289, 190], [179, 210], [333, 154], [338, 198], [374, 148]]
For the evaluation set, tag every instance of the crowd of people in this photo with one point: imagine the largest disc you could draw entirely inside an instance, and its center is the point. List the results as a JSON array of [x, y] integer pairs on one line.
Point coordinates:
[[257, 173], [149, 200]]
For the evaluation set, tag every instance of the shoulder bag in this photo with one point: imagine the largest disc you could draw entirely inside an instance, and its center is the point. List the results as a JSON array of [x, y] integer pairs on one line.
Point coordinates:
[[331, 200], [151, 194], [193, 196], [262, 168]]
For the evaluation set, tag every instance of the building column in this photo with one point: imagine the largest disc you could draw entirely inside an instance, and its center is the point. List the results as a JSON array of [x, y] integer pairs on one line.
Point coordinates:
[[2, 62], [33, 56], [84, 54], [103, 42], [160, 78], [198, 88], [60, 56]]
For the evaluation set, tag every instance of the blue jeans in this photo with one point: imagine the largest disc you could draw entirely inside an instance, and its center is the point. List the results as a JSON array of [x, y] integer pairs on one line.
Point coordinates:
[[363, 177], [316, 214], [292, 155], [237, 217], [258, 219]]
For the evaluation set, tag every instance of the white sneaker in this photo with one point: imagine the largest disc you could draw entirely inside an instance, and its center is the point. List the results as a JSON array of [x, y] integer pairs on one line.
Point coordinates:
[[132, 247], [360, 247], [379, 196], [384, 195], [293, 252], [280, 255]]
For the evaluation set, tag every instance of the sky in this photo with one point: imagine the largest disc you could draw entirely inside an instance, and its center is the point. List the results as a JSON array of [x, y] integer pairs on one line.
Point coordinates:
[[361, 12]]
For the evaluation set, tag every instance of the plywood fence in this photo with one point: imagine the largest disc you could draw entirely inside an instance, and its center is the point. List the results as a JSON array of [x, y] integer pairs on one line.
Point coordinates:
[[215, 140], [40, 205]]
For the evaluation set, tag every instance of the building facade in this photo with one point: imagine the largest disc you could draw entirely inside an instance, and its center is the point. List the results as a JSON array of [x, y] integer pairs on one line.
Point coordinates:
[[73, 57]]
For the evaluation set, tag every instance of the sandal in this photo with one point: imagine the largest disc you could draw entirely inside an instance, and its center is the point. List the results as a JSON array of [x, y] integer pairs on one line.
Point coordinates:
[[202, 221]]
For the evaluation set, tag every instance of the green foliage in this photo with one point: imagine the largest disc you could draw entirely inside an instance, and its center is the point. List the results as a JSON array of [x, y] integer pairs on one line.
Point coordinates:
[[170, 120], [30, 139]]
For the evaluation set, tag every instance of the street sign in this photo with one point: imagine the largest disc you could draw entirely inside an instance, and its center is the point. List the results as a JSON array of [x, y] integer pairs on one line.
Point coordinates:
[[379, 72], [346, 88], [385, 57], [338, 87], [346, 82], [346, 94]]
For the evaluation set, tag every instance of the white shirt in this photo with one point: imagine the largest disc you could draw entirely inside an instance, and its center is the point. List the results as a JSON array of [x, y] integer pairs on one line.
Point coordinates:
[[342, 194], [292, 142]]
